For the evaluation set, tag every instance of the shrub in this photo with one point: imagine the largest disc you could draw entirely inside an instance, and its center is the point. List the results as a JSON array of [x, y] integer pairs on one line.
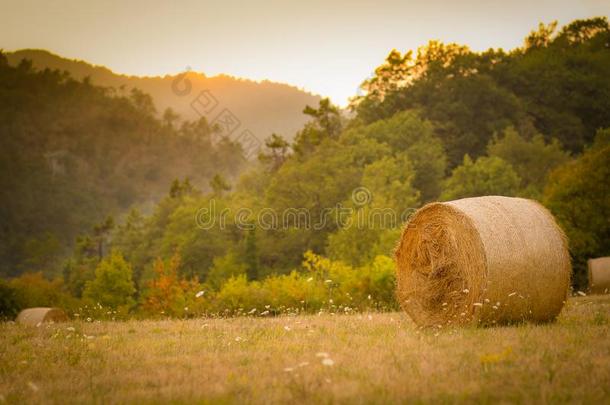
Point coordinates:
[[113, 286], [9, 302]]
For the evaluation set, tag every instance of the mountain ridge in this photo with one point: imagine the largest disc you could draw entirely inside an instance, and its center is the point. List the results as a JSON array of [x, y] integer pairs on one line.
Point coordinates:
[[262, 107]]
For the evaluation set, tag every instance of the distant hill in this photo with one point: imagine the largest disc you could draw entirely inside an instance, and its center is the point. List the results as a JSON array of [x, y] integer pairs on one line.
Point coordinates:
[[262, 107], [70, 154]]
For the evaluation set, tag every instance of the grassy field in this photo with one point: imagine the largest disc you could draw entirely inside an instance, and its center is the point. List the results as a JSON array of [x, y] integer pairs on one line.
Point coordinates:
[[381, 358]]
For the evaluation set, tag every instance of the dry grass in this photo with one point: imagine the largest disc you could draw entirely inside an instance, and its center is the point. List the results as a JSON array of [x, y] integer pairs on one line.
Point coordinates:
[[375, 358]]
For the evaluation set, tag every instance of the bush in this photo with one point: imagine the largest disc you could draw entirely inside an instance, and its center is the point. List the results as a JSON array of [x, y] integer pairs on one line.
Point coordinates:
[[577, 193], [113, 286], [34, 290], [9, 302], [323, 285]]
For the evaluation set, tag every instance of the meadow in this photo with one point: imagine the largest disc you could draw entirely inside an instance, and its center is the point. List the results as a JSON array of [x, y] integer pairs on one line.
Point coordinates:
[[325, 358]]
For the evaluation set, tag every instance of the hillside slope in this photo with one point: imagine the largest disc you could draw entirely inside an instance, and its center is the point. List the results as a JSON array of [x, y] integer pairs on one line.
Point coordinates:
[[262, 107], [70, 154]]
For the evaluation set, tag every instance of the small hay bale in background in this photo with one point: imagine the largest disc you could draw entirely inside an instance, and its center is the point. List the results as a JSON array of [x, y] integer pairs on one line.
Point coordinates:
[[36, 316], [482, 260], [599, 275]]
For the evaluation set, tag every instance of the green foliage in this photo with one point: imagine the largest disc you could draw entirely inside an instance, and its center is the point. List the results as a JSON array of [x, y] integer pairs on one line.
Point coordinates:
[[413, 138], [555, 85], [486, 176], [276, 152], [324, 285], [224, 268], [112, 286], [72, 153], [531, 159], [369, 286], [9, 301], [251, 254], [34, 290], [325, 124], [219, 185], [372, 229], [577, 193]]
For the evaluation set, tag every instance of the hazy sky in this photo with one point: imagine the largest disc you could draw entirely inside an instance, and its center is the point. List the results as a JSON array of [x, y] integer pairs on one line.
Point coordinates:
[[327, 47]]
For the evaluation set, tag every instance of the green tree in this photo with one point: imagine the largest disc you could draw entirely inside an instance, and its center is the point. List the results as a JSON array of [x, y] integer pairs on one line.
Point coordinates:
[[486, 176], [577, 193], [219, 185], [374, 224], [80, 268], [407, 133], [277, 152], [170, 117], [101, 232], [180, 189], [9, 302], [251, 254], [532, 159], [325, 124], [224, 268], [113, 285]]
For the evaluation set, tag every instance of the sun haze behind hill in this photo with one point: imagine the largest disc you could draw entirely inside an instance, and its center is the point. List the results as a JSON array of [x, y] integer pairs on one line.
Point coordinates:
[[262, 107]]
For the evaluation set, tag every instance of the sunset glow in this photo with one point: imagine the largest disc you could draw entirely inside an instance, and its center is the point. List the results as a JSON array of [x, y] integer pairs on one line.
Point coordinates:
[[325, 47]]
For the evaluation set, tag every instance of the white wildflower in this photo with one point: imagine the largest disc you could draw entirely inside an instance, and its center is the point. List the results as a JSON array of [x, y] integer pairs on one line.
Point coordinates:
[[287, 328], [465, 290], [310, 279], [582, 294], [328, 362], [200, 294], [70, 328]]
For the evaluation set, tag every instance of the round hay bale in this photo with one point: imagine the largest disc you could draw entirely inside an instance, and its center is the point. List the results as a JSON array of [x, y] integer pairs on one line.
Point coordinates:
[[37, 316], [482, 260], [599, 275]]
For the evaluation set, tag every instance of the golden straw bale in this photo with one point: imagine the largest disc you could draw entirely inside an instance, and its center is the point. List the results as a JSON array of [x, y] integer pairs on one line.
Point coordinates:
[[482, 260]]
